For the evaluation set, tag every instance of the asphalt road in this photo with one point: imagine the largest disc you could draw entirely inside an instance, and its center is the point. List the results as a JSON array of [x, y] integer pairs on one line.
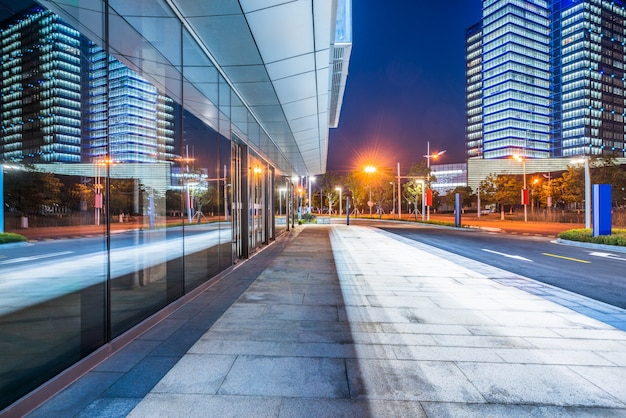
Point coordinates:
[[598, 274]]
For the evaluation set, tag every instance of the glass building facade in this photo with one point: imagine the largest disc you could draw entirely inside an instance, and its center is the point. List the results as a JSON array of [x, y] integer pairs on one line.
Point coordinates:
[[515, 77], [591, 72], [474, 91], [552, 79], [153, 138], [448, 177]]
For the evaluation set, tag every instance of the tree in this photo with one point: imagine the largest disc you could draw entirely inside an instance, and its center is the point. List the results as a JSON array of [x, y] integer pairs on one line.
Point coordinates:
[[487, 190], [357, 190], [467, 197], [364, 185], [505, 190], [28, 191], [606, 170], [327, 183], [569, 188], [412, 190], [174, 201], [122, 196]]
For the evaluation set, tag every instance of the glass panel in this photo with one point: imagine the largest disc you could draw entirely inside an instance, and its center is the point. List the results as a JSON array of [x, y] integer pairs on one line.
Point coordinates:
[[202, 183], [280, 202], [204, 177], [257, 187], [52, 297], [226, 235], [143, 147]]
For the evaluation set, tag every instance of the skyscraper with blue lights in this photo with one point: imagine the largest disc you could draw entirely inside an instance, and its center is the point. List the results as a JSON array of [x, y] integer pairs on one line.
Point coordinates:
[[52, 77], [551, 79]]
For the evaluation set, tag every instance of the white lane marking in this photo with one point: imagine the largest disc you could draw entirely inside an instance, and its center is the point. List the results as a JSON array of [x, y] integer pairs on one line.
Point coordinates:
[[607, 255], [517, 257], [34, 257]]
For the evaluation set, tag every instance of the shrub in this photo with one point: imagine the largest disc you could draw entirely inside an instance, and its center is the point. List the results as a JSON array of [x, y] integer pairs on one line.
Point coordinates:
[[618, 236], [8, 237], [309, 217]]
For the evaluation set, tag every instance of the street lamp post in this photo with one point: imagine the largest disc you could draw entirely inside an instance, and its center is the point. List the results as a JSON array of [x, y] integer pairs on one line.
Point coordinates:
[[585, 161], [524, 192], [393, 192], [340, 190], [370, 169], [428, 157], [311, 180]]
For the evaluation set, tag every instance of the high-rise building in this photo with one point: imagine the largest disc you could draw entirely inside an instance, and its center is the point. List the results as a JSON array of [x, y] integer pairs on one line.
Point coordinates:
[[515, 78], [589, 77], [474, 91], [139, 119], [52, 76], [40, 87], [551, 81]]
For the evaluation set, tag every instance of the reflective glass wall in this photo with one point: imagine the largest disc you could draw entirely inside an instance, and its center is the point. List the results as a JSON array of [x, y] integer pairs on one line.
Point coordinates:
[[118, 164]]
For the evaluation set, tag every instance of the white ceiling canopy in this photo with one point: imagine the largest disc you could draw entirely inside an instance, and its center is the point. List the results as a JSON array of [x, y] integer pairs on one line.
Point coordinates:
[[279, 56]]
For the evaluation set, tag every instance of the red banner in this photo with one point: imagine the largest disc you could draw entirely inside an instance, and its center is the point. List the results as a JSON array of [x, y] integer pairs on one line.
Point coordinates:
[[525, 199]]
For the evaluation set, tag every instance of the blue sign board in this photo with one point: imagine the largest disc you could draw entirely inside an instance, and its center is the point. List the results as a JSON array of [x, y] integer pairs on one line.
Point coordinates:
[[457, 208], [601, 209], [1, 200]]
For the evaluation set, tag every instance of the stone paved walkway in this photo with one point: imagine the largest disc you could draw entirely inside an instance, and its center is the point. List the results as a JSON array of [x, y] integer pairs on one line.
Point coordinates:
[[354, 322]]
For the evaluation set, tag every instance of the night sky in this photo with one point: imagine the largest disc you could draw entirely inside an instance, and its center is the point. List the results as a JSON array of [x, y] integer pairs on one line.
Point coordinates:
[[406, 84]]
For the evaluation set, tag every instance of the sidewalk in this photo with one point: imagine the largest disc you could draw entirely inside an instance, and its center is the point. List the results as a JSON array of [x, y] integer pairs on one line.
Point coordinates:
[[336, 320]]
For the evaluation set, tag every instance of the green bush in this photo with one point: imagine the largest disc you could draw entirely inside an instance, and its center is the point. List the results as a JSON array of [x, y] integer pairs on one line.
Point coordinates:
[[308, 218], [8, 237], [618, 236]]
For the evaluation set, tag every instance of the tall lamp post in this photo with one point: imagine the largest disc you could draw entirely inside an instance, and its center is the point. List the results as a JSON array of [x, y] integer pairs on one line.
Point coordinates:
[[370, 169], [524, 190], [585, 161], [428, 156], [340, 190], [311, 181], [393, 193]]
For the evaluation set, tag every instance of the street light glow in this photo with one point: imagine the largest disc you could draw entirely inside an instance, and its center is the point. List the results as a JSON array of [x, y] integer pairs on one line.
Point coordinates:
[[435, 155], [370, 169]]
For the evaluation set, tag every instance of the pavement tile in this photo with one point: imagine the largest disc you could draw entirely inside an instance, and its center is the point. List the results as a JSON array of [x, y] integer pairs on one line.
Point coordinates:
[[616, 357], [75, 397], [610, 379], [410, 381], [523, 331], [300, 312], [481, 341], [109, 408], [596, 345], [340, 408], [163, 330], [196, 373], [532, 384], [287, 377], [199, 405], [125, 359], [140, 379], [544, 356], [455, 410]]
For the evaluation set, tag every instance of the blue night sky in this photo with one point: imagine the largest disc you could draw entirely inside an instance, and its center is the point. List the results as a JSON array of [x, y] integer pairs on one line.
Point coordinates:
[[406, 84]]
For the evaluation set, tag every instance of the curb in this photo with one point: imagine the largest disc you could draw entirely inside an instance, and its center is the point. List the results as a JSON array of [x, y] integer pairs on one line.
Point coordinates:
[[614, 248]]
